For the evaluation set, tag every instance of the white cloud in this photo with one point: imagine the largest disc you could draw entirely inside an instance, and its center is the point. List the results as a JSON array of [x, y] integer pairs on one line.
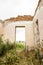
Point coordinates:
[[12, 8]]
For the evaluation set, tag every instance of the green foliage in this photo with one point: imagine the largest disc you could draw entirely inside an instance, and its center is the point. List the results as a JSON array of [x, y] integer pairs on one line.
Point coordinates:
[[13, 58], [10, 58], [20, 46], [38, 56], [1, 46], [1, 40], [5, 46], [8, 45]]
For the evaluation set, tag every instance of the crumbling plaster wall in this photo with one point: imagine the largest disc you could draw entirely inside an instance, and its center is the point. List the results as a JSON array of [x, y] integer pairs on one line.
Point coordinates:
[[39, 16], [10, 31]]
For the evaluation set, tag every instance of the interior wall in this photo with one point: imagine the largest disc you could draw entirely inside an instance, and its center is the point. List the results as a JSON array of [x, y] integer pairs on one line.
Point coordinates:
[[10, 31]]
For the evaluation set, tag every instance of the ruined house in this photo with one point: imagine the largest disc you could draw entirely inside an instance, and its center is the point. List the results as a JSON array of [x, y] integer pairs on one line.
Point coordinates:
[[11, 24], [33, 27]]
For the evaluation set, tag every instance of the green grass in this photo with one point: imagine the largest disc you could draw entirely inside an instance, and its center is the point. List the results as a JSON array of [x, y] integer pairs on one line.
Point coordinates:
[[20, 46]]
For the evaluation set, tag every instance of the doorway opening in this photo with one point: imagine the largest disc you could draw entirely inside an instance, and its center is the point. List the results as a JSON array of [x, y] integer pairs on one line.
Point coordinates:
[[20, 34], [20, 37]]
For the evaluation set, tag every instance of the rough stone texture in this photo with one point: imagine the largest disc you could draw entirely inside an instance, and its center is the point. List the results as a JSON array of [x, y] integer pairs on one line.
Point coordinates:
[[9, 28], [1, 29], [20, 18], [39, 16], [10, 32]]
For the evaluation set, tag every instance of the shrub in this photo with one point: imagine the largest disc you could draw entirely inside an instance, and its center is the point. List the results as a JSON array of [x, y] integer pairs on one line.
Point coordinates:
[[20, 46], [1, 46], [38, 56], [1, 41], [5, 46], [9, 45], [12, 58]]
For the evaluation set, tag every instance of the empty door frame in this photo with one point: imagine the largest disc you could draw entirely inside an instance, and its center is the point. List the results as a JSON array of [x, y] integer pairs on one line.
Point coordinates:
[[15, 30]]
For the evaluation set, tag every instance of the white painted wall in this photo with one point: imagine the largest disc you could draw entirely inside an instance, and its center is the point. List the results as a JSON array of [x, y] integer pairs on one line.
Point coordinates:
[[1, 29], [39, 16], [10, 31]]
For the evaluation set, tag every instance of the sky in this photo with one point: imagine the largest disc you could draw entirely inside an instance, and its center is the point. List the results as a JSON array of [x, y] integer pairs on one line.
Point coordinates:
[[20, 34], [13, 8]]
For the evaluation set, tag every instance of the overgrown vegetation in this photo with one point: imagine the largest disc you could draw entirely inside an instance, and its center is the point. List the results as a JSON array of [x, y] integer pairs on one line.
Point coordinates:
[[20, 46], [5, 46], [9, 55]]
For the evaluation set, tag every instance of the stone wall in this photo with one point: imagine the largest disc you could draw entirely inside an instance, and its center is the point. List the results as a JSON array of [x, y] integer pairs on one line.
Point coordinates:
[[39, 16], [1, 29], [10, 31]]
